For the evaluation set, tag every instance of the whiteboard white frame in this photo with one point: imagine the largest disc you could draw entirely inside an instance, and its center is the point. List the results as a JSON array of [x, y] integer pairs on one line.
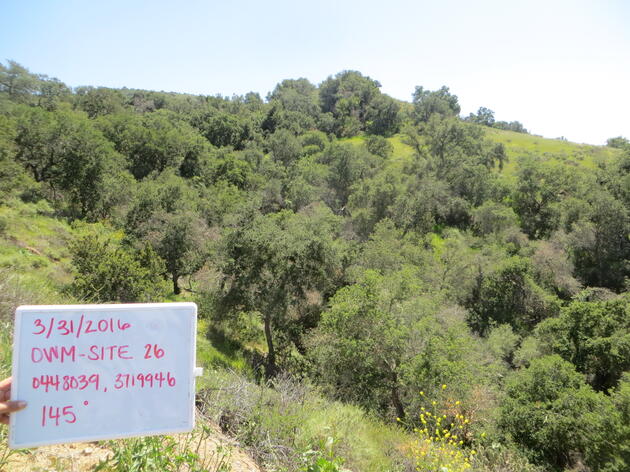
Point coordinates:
[[109, 307]]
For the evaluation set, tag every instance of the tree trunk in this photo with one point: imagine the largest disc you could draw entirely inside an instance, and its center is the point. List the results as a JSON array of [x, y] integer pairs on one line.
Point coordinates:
[[176, 289], [400, 410], [270, 367]]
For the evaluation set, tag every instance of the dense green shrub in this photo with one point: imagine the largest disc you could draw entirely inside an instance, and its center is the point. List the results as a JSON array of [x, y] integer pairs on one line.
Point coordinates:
[[108, 272], [558, 419], [594, 336], [510, 295]]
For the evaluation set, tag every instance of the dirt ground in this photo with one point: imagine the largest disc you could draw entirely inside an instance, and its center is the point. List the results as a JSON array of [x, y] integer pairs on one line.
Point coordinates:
[[82, 457]]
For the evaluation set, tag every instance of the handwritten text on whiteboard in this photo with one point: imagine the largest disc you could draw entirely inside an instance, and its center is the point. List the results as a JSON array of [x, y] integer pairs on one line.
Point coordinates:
[[102, 371]]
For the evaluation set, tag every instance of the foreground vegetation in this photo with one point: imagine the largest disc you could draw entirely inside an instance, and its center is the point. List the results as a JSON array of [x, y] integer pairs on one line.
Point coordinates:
[[382, 285]]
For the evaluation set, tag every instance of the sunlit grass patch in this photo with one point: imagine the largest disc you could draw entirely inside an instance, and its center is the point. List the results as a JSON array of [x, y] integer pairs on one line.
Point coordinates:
[[33, 245], [569, 153]]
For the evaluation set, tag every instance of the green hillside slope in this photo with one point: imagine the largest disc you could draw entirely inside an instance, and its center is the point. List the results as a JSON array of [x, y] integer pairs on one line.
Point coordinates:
[[518, 145], [34, 259]]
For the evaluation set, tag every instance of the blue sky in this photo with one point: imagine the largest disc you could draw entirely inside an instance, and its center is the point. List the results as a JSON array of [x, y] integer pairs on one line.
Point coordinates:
[[560, 67]]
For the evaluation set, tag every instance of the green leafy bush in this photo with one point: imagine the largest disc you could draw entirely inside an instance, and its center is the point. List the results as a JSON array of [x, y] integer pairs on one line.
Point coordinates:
[[558, 419], [108, 272]]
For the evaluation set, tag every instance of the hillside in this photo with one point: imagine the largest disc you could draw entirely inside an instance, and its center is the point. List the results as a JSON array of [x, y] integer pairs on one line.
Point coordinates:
[[521, 145], [35, 268], [33, 247], [382, 286]]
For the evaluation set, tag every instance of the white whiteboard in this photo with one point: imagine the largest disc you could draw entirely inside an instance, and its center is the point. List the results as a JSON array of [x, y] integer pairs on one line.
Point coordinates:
[[91, 372]]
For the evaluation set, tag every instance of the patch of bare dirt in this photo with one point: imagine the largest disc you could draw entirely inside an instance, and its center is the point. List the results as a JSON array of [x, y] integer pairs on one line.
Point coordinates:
[[73, 457], [82, 457]]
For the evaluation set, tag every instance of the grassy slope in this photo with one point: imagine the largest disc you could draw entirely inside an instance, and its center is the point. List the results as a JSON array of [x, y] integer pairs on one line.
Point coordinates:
[[519, 145], [33, 251]]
